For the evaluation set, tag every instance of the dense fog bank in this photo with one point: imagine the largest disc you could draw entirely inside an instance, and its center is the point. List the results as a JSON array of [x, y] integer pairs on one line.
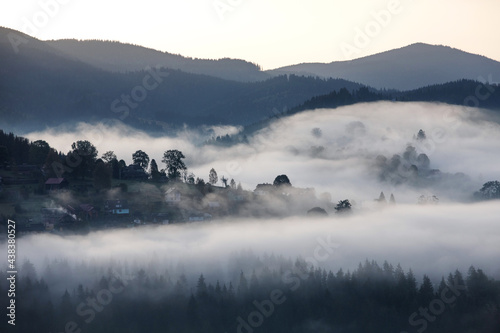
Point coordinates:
[[429, 239]]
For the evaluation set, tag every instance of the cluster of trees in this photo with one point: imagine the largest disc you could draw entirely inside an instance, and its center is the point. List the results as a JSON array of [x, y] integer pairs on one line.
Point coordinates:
[[227, 140], [18, 150], [271, 295], [489, 191], [82, 161], [108, 165], [407, 167], [414, 168]]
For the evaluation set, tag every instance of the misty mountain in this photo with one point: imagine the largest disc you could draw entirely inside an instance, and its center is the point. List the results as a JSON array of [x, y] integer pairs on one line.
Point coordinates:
[[410, 67], [120, 57], [467, 93], [463, 92], [39, 82], [41, 86], [407, 68]]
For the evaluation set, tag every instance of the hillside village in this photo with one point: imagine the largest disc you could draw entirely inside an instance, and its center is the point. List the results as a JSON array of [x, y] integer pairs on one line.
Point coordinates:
[[49, 191], [74, 205]]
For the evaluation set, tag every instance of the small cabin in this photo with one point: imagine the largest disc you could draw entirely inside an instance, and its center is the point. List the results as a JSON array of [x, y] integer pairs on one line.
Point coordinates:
[[54, 184]]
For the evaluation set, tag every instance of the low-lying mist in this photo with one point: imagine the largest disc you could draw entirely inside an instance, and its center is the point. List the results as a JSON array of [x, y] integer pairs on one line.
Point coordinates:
[[432, 240], [333, 151]]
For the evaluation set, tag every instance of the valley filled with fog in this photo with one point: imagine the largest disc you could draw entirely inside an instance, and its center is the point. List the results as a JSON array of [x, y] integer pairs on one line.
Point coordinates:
[[432, 158], [334, 151], [250, 167], [330, 150]]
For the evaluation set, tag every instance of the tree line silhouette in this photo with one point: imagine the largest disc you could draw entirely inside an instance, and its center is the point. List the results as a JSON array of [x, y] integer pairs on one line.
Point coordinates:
[[371, 298]]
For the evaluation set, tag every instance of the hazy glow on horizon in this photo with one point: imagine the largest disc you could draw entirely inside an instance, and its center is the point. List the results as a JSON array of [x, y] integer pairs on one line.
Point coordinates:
[[272, 34]]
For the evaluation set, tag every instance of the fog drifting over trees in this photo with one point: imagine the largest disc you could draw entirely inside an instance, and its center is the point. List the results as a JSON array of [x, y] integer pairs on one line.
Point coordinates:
[[460, 142]]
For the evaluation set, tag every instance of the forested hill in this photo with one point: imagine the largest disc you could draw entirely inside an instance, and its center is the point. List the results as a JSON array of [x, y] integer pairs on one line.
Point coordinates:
[[40, 86], [121, 57], [463, 92]]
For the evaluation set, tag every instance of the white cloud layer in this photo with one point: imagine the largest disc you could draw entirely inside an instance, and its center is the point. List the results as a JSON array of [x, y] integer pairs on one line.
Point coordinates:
[[338, 159], [429, 239], [433, 240]]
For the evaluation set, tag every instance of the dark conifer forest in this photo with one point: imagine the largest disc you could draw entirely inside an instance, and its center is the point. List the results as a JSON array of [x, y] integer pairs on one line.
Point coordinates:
[[270, 294]]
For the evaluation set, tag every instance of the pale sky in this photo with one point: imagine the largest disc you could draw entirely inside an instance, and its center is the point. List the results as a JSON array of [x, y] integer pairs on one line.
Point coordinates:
[[271, 33]]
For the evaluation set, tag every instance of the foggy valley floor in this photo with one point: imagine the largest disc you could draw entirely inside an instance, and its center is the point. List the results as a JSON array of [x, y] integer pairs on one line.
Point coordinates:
[[369, 271]]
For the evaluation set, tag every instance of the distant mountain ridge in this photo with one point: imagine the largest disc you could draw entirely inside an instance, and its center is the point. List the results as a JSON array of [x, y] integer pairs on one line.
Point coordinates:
[[406, 68], [121, 57], [42, 85], [410, 67]]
